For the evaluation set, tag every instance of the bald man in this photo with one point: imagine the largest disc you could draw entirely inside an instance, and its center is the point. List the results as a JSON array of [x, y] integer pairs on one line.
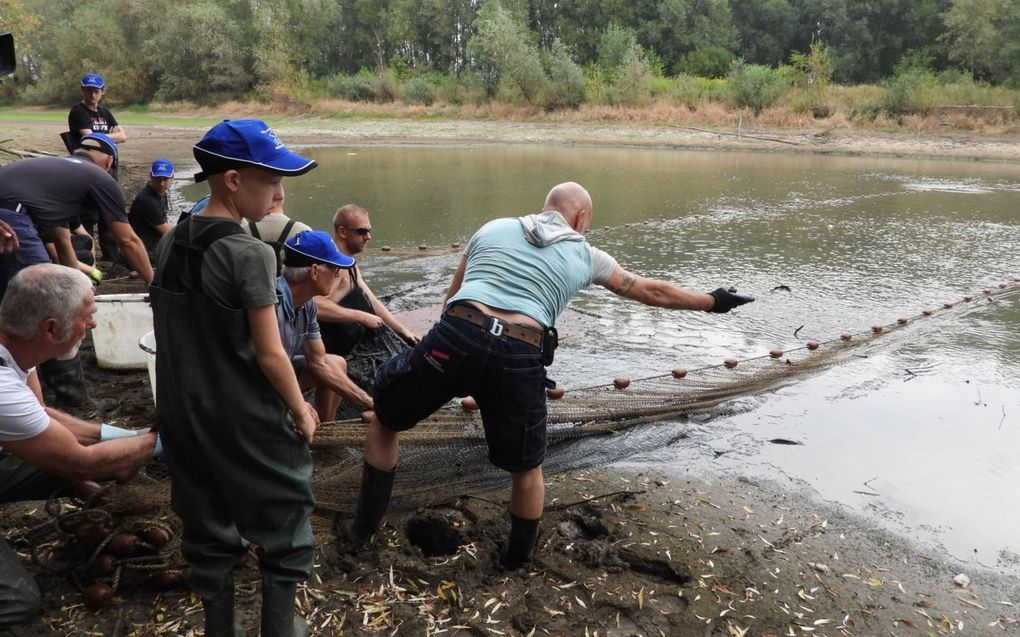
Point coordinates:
[[493, 342]]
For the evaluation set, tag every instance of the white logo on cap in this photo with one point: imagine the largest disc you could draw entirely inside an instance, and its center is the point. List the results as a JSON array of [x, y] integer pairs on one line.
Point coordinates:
[[276, 140]]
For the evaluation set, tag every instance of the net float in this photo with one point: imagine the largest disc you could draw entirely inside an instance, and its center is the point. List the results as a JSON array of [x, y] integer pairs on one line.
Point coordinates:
[[968, 299], [104, 564], [386, 248], [468, 403], [124, 544], [455, 244], [986, 291], [156, 536], [730, 363], [813, 345], [165, 580], [95, 596], [846, 336], [679, 372], [92, 533], [877, 329], [621, 382], [244, 560], [776, 353], [902, 321], [948, 305], [927, 312], [1003, 286], [87, 490], [423, 246], [555, 393]]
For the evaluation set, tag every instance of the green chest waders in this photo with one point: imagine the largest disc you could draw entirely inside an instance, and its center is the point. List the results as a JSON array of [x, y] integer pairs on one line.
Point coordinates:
[[239, 472]]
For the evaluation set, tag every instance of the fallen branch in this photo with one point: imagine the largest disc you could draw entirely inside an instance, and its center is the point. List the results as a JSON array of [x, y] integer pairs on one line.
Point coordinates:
[[738, 135]]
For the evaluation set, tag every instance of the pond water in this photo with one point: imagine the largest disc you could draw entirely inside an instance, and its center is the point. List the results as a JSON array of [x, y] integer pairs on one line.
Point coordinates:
[[922, 434]]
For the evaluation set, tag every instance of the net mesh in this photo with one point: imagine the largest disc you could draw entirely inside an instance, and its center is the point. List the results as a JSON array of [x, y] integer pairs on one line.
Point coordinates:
[[445, 455]]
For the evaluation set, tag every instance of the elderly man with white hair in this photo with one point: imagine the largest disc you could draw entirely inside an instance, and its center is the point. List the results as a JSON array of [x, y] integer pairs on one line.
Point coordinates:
[[44, 315]]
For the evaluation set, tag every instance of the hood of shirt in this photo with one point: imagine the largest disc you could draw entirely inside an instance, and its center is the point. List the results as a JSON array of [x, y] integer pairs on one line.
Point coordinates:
[[546, 228]]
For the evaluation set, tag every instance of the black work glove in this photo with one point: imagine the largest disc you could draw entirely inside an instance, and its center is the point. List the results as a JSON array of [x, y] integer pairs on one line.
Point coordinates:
[[726, 299]]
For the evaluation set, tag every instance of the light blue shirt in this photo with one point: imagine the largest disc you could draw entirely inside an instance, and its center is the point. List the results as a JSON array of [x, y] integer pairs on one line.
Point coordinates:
[[532, 265]]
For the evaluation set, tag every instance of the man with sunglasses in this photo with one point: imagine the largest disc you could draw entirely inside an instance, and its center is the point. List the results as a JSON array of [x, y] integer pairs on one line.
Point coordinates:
[[350, 313], [311, 262]]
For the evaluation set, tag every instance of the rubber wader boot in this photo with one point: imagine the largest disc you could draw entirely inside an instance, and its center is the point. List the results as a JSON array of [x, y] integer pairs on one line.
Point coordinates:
[[523, 534], [373, 500], [64, 386], [278, 616], [219, 615]]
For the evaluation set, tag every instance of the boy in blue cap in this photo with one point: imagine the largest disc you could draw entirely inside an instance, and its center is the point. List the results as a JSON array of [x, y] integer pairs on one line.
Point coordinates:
[[89, 116], [234, 424], [148, 215]]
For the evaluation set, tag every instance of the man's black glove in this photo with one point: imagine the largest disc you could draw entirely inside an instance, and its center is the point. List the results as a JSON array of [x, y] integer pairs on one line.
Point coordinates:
[[726, 299]]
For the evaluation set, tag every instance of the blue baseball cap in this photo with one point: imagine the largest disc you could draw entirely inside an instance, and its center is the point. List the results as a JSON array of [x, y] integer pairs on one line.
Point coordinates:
[[313, 246], [100, 142], [162, 168], [92, 80], [237, 143]]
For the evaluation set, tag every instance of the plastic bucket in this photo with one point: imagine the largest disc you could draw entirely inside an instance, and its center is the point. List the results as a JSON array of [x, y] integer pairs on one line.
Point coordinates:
[[121, 320], [147, 343]]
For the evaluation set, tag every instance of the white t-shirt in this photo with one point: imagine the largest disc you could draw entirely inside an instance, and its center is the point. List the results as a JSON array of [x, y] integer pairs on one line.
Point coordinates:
[[21, 415]]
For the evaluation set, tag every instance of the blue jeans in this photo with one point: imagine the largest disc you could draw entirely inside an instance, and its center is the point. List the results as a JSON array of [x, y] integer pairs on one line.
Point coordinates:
[[30, 251]]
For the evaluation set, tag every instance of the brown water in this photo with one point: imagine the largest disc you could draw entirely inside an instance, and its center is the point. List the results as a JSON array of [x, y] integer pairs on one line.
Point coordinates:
[[857, 241]]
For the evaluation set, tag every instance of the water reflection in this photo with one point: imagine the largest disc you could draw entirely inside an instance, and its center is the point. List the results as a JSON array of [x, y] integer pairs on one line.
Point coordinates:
[[930, 421]]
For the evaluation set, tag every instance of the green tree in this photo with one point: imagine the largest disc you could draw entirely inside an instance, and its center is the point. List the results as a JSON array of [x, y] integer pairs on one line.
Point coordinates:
[[629, 85], [505, 49], [566, 80], [616, 42], [766, 30], [197, 52], [981, 35], [756, 87], [677, 27]]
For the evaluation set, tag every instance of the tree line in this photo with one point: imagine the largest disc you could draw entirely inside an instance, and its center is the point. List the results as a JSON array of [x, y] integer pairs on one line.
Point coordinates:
[[546, 52]]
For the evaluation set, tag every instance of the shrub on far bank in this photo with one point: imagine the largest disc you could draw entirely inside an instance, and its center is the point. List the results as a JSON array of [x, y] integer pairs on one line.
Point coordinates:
[[754, 86]]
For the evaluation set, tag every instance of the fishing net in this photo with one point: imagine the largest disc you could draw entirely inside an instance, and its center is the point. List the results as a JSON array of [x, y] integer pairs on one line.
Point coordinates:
[[126, 535], [446, 455]]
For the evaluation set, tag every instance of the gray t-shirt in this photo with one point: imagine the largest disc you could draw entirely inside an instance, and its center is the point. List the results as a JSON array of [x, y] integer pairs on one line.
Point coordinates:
[[238, 271]]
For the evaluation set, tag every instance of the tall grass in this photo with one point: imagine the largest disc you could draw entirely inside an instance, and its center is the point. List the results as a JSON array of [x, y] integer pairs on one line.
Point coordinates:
[[911, 100]]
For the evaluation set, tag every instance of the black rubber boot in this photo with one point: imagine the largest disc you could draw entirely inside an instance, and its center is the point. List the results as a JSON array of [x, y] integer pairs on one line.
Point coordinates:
[[373, 500], [64, 386], [278, 616], [521, 544], [219, 615]]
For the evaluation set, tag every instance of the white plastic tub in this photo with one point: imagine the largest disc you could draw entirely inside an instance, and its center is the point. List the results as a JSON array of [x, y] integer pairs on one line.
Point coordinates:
[[121, 320], [147, 343]]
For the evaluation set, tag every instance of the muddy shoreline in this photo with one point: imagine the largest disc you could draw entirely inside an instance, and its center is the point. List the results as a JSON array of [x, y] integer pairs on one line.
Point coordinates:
[[622, 551]]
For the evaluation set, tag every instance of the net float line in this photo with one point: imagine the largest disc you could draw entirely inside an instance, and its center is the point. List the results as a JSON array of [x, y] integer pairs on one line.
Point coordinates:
[[445, 456], [627, 402]]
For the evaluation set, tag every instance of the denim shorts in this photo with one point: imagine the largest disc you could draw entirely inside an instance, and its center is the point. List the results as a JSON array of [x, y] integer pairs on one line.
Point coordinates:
[[456, 358]]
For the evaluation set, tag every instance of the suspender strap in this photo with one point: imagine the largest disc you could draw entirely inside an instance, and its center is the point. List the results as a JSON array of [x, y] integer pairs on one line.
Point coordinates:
[[187, 253]]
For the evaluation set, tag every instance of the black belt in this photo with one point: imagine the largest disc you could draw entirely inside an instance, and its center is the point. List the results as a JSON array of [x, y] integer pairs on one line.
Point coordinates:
[[497, 326]]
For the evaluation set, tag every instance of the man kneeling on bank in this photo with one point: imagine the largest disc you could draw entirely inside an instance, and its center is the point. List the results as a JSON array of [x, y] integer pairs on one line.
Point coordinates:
[[311, 262], [44, 315]]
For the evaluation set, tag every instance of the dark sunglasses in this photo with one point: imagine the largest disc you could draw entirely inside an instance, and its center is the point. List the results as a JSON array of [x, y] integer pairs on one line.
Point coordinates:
[[361, 231]]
